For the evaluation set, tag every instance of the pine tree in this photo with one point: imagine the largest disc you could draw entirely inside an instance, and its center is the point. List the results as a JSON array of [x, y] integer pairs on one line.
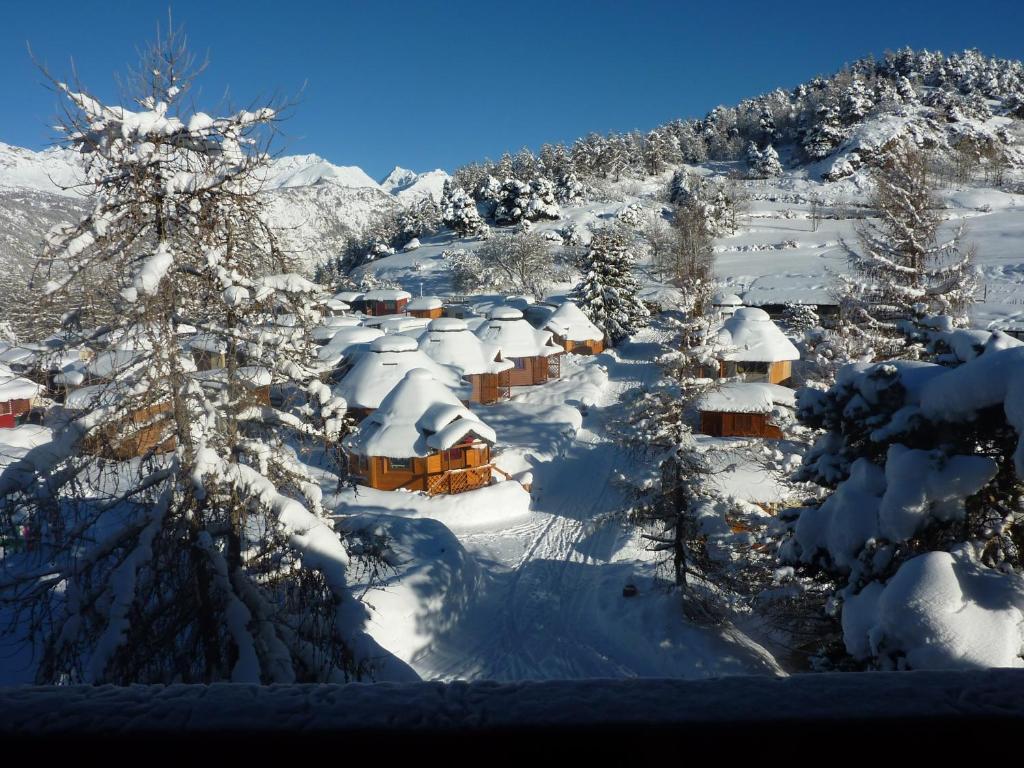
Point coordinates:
[[902, 272], [825, 133], [458, 211], [764, 163], [180, 539], [608, 292]]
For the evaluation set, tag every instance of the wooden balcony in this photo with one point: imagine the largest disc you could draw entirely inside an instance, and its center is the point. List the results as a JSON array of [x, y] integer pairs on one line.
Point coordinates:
[[459, 480]]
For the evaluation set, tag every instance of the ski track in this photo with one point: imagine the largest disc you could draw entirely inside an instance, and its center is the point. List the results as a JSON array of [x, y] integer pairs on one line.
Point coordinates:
[[540, 602]]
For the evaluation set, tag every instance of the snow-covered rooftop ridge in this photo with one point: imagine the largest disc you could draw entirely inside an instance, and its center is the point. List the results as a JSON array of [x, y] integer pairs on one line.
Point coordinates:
[[746, 397], [449, 341], [376, 373], [14, 387], [507, 329], [386, 294], [751, 335], [569, 322], [420, 416], [344, 341], [424, 303]]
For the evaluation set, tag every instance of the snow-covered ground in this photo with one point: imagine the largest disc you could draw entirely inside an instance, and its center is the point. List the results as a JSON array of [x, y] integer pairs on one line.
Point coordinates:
[[778, 254], [497, 584]]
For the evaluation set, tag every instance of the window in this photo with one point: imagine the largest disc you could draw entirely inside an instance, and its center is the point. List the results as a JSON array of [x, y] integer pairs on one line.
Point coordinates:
[[519, 363], [403, 465]]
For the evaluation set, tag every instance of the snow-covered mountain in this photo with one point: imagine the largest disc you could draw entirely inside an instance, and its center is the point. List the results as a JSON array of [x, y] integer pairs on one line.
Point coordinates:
[[316, 205], [48, 171], [410, 187], [304, 170]]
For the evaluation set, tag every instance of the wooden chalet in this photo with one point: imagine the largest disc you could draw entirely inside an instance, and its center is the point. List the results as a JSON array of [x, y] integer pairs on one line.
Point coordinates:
[[385, 301], [743, 409], [139, 431], [17, 397], [383, 366], [425, 306], [534, 355], [449, 341], [421, 438], [750, 345], [574, 331], [354, 299]]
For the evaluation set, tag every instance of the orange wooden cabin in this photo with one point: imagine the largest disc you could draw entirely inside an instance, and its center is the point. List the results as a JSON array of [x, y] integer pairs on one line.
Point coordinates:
[[449, 341], [385, 301], [724, 424], [752, 346], [573, 330], [743, 409], [425, 306], [534, 355], [421, 438]]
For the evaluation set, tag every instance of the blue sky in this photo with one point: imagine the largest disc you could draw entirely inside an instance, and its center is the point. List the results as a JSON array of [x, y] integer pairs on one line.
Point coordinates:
[[437, 84]]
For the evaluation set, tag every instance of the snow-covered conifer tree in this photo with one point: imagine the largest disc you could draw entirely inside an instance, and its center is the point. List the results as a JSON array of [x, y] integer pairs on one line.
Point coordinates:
[[764, 163], [458, 211], [177, 537], [608, 292], [902, 271]]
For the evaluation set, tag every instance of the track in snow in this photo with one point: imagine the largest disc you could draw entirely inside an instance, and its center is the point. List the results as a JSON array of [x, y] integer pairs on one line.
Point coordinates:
[[556, 610]]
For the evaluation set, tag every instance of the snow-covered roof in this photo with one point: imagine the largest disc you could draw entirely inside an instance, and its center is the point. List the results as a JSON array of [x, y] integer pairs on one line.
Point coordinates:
[[418, 417], [336, 305], [386, 294], [507, 329], [519, 302], [746, 397], [343, 341], [422, 303], [112, 361], [664, 295], [404, 325], [569, 322], [375, 321], [750, 335], [207, 342], [722, 299], [252, 375], [329, 327], [505, 312], [16, 388], [348, 297], [449, 341], [379, 371]]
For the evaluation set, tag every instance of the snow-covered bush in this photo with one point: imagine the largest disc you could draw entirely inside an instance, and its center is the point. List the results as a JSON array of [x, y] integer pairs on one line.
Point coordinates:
[[926, 463]]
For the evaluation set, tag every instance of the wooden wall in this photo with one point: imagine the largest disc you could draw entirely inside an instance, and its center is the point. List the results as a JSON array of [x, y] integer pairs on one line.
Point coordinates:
[[431, 313], [588, 347], [720, 424], [376, 471]]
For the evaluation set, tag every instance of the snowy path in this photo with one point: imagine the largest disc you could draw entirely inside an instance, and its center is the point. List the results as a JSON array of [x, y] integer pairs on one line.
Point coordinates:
[[550, 605]]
